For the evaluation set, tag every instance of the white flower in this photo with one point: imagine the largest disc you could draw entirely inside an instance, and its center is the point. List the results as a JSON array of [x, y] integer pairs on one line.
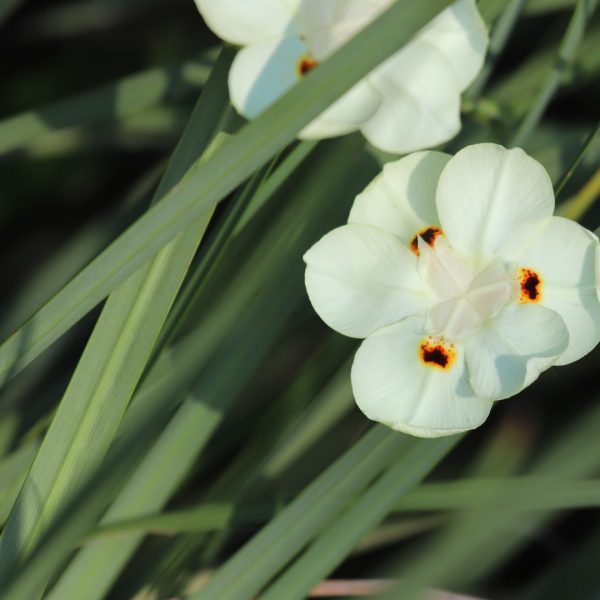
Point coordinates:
[[410, 102], [464, 285]]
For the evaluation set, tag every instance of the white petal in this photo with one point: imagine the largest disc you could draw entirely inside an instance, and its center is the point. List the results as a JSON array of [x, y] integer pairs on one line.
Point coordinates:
[[392, 385], [491, 289], [461, 36], [442, 270], [360, 278], [421, 100], [345, 115], [244, 22], [263, 72], [401, 199], [520, 336], [564, 255], [327, 24], [490, 200]]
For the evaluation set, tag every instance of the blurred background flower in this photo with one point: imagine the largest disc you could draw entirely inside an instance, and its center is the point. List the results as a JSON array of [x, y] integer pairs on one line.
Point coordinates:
[[410, 102]]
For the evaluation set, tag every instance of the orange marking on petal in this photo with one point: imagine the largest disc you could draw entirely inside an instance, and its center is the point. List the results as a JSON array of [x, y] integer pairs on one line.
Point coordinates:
[[305, 64], [429, 235], [437, 353], [531, 286]]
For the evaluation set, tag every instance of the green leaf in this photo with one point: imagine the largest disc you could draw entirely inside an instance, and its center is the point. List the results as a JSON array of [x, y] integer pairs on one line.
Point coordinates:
[[267, 552], [566, 55], [113, 361], [277, 287], [498, 39], [485, 535], [340, 537], [13, 470], [520, 493], [527, 493], [491, 9]]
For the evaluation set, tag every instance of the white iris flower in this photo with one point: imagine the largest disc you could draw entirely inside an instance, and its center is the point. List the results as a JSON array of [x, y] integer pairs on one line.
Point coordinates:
[[410, 102], [464, 285]]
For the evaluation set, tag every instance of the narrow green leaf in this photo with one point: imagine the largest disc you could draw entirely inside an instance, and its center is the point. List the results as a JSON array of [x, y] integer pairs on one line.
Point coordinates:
[[484, 536], [585, 146], [280, 438], [566, 54], [112, 362], [210, 516], [96, 566], [516, 92], [13, 470], [520, 493], [500, 34], [491, 9], [576, 207], [332, 403], [338, 539], [536, 7], [267, 552]]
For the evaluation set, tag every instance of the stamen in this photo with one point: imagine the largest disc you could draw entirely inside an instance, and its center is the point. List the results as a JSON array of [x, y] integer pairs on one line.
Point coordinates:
[[531, 286], [437, 353], [305, 64], [429, 235]]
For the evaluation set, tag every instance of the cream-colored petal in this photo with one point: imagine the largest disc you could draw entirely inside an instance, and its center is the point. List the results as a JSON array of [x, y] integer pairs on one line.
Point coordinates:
[[360, 278], [460, 34], [345, 115], [490, 201], [393, 385], [420, 101], [263, 72], [247, 21], [521, 337], [563, 253], [401, 199]]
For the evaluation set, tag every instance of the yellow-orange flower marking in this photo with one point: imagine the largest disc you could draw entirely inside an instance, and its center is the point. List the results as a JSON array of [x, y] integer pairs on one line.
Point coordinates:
[[437, 353], [531, 286], [429, 235], [305, 64]]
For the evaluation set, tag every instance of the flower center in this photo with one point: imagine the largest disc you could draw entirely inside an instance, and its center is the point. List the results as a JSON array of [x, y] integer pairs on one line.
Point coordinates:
[[531, 286], [429, 235], [305, 64], [462, 298], [437, 354]]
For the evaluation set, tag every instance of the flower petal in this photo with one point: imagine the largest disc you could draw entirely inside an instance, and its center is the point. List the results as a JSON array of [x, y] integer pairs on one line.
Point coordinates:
[[420, 100], [520, 337], [564, 254], [401, 199], [345, 115], [360, 278], [461, 36], [263, 72], [393, 385], [242, 22], [490, 200]]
